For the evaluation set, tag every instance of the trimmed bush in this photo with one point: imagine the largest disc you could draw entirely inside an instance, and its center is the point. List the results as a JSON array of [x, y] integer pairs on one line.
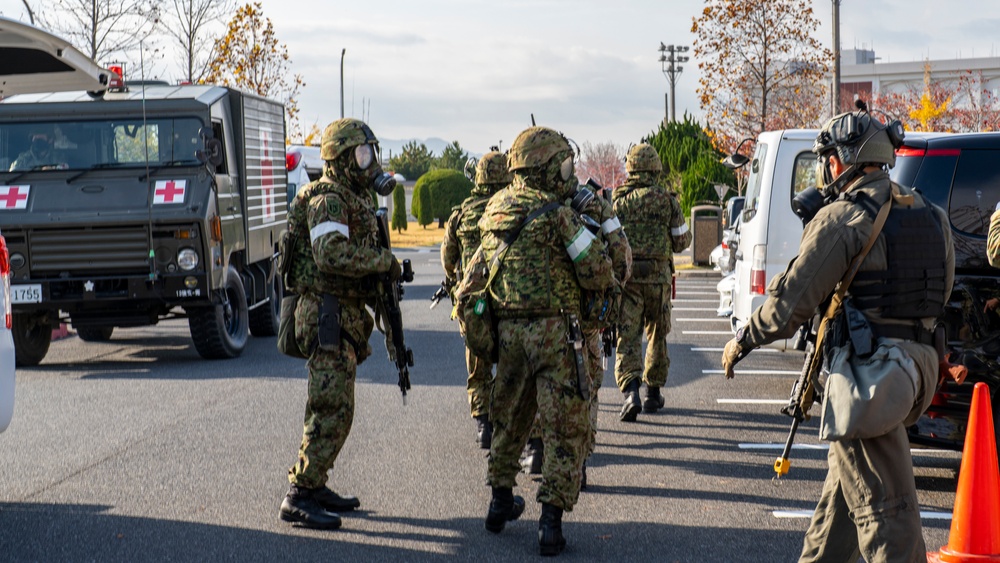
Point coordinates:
[[399, 208], [444, 189]]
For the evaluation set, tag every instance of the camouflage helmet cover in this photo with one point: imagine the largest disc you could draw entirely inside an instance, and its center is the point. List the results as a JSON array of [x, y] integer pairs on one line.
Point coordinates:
[[492, 169], [643, 157], [536, 146], [342, 135]]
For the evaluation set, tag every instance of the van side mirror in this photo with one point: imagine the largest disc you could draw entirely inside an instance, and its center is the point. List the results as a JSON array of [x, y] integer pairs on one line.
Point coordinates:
[[735, 161]]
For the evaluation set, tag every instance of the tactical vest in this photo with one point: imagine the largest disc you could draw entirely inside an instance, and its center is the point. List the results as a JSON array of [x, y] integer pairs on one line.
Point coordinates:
[[468, 233], [303, 273], [913, 284], [645, 212]]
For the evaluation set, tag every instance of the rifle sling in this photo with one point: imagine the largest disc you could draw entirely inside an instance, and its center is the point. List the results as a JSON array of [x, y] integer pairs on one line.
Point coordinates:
[[512, 236]]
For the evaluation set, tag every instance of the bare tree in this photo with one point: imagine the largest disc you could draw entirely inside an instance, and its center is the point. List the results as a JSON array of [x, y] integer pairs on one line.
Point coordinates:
[[761, 66], [249, 56], [102, 28], [190, 21], [604, 162]]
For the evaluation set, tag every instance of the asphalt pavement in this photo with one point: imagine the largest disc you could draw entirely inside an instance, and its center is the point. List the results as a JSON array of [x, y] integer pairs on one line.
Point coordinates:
[[139, 450]]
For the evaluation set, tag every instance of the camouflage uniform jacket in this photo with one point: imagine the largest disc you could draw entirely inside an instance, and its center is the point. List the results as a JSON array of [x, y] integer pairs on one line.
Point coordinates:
[[336, 241], [993, 240], [613, 234], [555, 256], [829, 243], [656, 226], [461, 234]]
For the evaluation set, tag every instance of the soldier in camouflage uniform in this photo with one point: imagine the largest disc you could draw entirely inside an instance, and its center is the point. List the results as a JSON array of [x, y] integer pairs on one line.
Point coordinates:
[[993, 239], [335, 249], [537, 298], [461, 239], [600, 312], [656, 227]]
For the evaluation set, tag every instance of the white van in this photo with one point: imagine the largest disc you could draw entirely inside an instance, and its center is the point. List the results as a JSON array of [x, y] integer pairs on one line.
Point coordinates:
[[304, 165], [782, 166]]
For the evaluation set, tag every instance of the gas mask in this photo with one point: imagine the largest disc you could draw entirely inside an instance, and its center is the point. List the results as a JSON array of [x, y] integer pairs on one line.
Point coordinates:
[[581, 198], [40, 146], [363, 168]]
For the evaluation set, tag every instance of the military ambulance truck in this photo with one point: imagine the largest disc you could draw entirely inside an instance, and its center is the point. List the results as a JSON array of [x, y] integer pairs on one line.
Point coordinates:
[[129, 208]]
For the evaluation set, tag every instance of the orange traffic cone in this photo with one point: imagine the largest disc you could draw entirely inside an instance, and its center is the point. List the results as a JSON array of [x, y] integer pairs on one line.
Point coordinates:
[[975, 522]]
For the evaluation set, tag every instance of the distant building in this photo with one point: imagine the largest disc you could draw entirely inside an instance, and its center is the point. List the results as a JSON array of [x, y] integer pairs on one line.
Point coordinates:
[[861, 75]]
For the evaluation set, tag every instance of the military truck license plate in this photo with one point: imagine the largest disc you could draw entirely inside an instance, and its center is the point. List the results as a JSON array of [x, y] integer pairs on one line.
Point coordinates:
[[26, 293]]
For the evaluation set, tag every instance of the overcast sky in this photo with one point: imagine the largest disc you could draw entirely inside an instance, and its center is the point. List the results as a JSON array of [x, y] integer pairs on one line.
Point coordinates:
[[474, 71]]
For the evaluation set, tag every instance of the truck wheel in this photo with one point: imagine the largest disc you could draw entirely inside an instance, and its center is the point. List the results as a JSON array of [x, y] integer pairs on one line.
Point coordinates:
[[32, 333], [221, 331], [95, 333], [265, 318]]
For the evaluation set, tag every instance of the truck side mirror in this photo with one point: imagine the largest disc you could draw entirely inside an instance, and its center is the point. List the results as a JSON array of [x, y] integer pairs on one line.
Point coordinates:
[[212, 153], [206, 133]]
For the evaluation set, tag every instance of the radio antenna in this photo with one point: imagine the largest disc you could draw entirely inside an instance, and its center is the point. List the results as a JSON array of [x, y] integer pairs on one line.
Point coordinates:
[[532, 120]]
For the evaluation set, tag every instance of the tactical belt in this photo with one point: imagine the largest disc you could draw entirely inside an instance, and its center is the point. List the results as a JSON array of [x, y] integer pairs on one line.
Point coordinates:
[[904, 332], [532, 314], [642, 267]]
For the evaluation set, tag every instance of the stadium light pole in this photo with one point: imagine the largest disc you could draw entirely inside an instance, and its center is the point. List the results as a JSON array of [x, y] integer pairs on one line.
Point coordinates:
[[836, 57], [669, 61], [342, 53]]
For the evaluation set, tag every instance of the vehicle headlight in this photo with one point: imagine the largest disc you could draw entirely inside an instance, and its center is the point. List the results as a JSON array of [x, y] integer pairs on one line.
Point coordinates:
[[187, 259]]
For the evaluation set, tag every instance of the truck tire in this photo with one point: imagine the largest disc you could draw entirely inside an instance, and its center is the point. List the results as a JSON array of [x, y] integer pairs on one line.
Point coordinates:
[[95, 333], [265, 318], [221, 331], [32, 333]]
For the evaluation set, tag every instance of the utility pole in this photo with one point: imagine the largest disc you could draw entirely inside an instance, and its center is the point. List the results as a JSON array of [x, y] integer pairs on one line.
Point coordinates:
[[836, 57], [342, 53], [668, 61]]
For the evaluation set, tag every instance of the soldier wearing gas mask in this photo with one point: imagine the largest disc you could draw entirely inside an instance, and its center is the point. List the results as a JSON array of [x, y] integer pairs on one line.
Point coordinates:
[[656, 228], [461, 239], [879, 365], [333, 248], [544, 255]]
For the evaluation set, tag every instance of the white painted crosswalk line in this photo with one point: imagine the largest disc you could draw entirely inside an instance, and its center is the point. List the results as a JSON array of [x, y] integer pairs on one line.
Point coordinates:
[[924, 514], [757, 351], [716, 320], [752, 401], [727, 332], [752, 372], [704, 309]]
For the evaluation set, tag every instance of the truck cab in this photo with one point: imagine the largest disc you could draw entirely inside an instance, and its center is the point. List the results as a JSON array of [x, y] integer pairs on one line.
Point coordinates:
[[153, 203]]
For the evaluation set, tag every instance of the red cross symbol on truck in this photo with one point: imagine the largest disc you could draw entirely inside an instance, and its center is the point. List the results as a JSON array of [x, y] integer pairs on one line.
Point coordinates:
[[166, 192], [13, 198]]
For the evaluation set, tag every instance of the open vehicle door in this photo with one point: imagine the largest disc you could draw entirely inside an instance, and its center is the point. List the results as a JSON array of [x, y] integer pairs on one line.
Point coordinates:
[[35, 61]]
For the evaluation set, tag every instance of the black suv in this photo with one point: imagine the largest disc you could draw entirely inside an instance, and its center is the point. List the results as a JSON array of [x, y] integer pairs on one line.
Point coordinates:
[[961, 173]]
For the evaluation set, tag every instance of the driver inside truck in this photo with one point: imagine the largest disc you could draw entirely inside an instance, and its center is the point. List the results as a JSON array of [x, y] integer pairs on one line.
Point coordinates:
[[40, 154]]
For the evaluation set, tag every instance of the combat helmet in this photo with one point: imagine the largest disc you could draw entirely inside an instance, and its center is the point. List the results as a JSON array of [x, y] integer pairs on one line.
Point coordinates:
[[492, 169], [643, 158], [860, 139], [344, 134], [536, 146]]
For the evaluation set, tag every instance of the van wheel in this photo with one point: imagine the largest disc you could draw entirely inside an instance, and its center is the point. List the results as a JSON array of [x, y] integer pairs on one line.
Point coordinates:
[[221, 331], [32, 333], [95, 333], [264, 319]]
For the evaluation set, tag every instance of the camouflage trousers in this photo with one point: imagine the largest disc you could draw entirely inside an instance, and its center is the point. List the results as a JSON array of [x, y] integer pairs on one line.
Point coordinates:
[[595, 369], [869, 504], [644, 306], [330, 403], [536, 374], [479, 383]]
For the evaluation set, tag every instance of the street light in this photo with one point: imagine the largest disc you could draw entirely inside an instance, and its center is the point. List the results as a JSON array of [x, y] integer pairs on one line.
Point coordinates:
[[342, 53], [669, 60]]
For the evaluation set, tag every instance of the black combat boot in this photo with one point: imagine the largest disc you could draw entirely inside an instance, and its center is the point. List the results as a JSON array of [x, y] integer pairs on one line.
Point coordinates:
[[632, 404], [583, 476], [654, 400], [484, 431], [533, 458], [301, 508], [550, 537], [333, 502], [505, 507]]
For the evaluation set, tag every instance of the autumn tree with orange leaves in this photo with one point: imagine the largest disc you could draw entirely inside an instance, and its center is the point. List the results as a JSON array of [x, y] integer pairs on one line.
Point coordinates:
[[761, 67], [604, 162], [250, 57]]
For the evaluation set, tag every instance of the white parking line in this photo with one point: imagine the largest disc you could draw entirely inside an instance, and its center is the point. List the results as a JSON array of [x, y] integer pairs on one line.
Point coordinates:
[[757, 351], [700, 292], [725, 320], [918, 452], [751, 401], [753, 372], [705, 309], [924, 514], [726, 332], [696, 300]]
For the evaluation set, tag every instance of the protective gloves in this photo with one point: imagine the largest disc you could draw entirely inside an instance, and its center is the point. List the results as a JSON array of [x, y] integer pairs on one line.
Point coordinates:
[[733, 353]]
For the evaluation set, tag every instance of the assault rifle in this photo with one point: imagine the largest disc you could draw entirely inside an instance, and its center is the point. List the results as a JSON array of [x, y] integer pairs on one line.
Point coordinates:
[[442, 292], [801, 400], [389, 316]]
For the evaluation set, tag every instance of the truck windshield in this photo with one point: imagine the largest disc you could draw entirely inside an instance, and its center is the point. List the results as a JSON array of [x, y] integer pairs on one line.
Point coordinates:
[[112, 143]]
